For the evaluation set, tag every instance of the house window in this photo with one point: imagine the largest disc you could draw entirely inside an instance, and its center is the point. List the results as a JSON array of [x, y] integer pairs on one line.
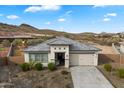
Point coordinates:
[[31, 57], [38, 57], [55, 48], [59, 48], [64, 48]]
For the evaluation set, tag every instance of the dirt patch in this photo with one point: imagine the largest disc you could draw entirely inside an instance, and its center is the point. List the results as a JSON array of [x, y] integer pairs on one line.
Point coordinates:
[[113, 76], [105, 49], [7, 71]]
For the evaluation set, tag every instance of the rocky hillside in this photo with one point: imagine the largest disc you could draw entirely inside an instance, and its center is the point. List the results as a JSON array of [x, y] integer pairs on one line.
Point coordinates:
[[25, 29]]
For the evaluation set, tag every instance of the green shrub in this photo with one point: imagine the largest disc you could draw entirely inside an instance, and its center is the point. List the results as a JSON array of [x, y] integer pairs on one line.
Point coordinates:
[[64, 72], [25, 66], [121, 73], [108, 67], [38, 66], [51, 66], [17, 42]]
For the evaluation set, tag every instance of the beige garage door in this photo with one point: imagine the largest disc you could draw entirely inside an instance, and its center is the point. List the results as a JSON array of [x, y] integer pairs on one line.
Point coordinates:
[[86, 59], [74, 58], [81, 59]]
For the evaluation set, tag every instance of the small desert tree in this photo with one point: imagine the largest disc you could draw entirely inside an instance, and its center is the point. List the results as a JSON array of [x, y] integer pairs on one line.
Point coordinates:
[[17, 42]]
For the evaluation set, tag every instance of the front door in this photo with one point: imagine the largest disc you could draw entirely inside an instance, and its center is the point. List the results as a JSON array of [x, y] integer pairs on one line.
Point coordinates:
[[60, 58]]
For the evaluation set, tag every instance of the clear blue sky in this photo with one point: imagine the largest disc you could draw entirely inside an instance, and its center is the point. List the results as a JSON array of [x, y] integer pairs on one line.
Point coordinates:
[[69, 18]]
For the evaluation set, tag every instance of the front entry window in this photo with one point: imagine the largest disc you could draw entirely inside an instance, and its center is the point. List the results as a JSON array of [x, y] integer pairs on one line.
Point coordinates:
[[38, 57], [60, 58]]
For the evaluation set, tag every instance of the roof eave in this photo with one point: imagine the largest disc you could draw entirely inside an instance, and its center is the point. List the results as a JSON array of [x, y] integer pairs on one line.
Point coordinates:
[[60, 44]]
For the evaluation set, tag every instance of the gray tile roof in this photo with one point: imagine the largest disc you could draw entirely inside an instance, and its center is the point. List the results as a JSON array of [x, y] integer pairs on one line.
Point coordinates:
[[74, 45], [59, 42]]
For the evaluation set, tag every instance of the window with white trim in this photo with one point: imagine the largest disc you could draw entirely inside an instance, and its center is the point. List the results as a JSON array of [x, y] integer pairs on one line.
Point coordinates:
[[38, 57]]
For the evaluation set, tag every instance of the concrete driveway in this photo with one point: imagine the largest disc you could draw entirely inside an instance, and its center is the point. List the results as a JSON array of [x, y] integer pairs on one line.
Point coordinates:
[[88, 77]]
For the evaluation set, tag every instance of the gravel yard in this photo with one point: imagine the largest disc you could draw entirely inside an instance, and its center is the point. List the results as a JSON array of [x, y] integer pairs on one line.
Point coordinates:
[[113, 76], [13, 76]]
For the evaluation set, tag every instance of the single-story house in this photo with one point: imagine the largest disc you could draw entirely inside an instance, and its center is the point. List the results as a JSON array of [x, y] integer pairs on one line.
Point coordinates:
[[62, 51]]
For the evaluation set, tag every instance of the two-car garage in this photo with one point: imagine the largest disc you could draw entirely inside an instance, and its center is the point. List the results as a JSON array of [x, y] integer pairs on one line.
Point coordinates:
[[83, 59]]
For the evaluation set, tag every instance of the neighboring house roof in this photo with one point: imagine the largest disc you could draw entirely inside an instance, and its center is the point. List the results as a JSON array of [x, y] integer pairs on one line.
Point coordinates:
[[74, 45]]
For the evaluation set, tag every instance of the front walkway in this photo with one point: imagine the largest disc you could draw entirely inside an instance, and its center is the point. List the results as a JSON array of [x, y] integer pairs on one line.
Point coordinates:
[[88, 77]]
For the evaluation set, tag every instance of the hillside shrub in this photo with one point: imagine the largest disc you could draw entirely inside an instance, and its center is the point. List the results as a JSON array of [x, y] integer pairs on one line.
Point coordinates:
[[25, 66], [108, 67], [51, 66], [38, 66], [17, 42], [34, 41]]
